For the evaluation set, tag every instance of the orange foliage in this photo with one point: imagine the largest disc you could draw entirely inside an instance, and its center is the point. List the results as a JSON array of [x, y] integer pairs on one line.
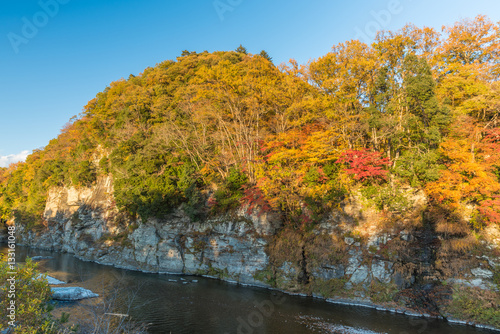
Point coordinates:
[[469, 178]]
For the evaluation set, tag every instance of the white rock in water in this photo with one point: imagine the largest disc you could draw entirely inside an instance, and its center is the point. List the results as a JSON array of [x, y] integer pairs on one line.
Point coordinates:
[[72, 293], [51, 280]]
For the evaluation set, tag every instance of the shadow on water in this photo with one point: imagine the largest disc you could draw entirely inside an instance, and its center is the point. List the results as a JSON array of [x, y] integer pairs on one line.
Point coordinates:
[[187, 304]]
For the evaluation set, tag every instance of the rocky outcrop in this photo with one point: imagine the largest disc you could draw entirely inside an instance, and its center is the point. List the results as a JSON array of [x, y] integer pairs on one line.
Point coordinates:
[[230, 250], [86, 223]]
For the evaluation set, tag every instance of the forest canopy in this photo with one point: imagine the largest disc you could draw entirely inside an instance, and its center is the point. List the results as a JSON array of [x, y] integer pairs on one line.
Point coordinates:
[[212, 131]]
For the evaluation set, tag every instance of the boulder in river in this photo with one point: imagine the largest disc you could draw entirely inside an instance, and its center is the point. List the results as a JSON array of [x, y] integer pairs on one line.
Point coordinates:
[[72, 294]]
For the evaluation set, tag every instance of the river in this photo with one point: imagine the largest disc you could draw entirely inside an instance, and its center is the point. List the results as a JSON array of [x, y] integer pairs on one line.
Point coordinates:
[[177, 304]]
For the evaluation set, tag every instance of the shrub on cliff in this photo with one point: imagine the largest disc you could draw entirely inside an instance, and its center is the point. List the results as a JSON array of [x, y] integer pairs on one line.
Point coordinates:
[[475, 304]]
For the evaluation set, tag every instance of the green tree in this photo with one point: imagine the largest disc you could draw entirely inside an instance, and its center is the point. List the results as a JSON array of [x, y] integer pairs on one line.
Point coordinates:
[[241, 49], [264, 54], [425, 124]]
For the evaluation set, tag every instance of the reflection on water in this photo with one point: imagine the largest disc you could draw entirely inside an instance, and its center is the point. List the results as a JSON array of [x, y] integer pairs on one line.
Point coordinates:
[[175, 304]]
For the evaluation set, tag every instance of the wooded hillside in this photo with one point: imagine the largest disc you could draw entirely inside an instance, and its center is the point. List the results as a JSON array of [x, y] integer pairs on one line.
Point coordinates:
[[211, 131]]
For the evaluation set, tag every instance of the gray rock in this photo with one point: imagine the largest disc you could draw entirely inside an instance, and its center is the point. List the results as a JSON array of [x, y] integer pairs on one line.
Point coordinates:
[[401, 282], [381, 270], [264, 223], [491, 261], [145, 240], [475, 283], [405, 235], [234, 246], [287, 272], [378, 240], [169, 258], [288, 269], [478, 283], [353, 262], [360, 275], [72, 294], [330, 272], [482, 273], [349, 240]]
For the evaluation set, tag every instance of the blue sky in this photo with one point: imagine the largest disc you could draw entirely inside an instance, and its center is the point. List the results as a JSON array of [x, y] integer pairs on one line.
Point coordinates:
[[56, 55]]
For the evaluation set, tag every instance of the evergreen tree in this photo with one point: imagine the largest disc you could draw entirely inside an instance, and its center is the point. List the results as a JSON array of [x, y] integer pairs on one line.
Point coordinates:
[[264, 54], [241, 49]]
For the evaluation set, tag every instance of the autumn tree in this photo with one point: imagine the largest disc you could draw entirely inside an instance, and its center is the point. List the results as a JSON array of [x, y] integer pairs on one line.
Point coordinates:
[[470, 177], [365, 165], [346, 76], [468, 59]]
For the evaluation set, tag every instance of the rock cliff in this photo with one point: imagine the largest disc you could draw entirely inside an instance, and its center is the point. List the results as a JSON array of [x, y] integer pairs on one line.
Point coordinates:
[[85, 222]]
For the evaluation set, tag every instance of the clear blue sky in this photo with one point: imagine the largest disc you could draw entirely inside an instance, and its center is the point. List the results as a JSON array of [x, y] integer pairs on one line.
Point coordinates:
[[50, 73]]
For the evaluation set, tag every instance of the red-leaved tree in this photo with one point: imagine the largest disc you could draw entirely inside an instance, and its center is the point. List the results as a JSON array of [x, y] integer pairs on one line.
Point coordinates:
[[365, 165]]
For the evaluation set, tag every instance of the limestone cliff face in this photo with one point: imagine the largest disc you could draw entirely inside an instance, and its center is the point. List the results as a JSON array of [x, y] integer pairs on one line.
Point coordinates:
[[85, 222]]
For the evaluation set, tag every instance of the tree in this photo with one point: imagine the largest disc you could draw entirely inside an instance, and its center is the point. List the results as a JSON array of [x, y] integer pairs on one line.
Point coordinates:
[[468, 60], [422, 102], [241, 49], [471, 41], [187, 53], [346, 76], [180, 129], [470, 175], [298, 175], [365, 165], [264, 54]]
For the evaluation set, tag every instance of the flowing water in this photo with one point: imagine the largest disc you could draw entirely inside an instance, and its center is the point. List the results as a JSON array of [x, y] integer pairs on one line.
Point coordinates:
[[177, 304]]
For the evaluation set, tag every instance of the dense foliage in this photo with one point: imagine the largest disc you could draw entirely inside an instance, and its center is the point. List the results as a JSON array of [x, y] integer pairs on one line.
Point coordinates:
[[32, 296], [210, 131]]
